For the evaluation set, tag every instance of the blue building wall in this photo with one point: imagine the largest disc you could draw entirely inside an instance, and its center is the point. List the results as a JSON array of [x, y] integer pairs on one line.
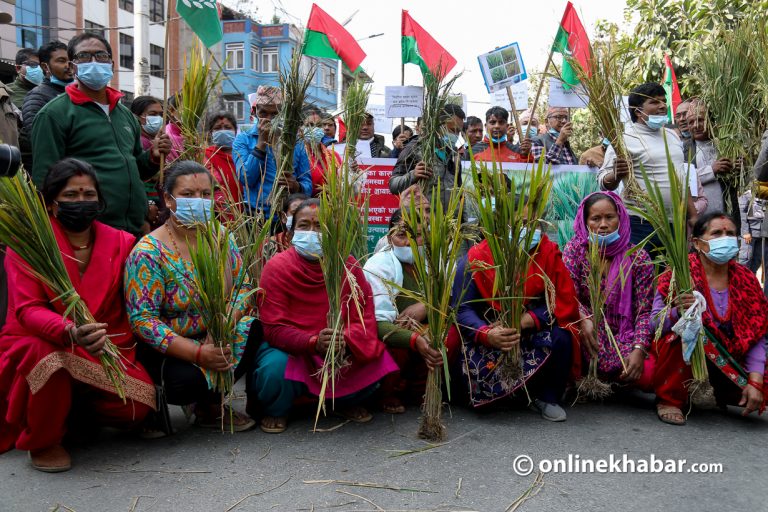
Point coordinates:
[[243, 76]]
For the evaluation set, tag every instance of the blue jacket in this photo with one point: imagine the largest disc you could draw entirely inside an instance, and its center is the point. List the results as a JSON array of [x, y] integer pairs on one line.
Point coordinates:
[[256, 169]]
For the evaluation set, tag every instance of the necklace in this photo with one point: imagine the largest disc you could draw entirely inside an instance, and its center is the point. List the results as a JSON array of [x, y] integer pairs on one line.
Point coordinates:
[[173, 240], [184, 271], [80, 247]]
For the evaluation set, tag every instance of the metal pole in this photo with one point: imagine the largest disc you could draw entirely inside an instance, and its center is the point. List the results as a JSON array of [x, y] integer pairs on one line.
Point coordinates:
[[141, 48]]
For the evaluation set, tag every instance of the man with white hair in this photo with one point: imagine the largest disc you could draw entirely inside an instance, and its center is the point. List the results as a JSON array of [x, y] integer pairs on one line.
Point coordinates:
[[554, 144], [254, 158], [529, 124]]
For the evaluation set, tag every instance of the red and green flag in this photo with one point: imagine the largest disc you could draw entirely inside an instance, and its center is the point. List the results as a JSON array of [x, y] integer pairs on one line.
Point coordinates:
[[421, 49], [327, 38], [202, 16], [670, 86], [572, 42]]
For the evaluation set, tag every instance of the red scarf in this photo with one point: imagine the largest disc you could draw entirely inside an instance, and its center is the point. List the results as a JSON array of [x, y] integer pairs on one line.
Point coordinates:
[[749, 320]]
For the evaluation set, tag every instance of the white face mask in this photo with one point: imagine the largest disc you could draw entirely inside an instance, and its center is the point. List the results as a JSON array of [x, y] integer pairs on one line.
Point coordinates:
[[403, 254], [289, 222]]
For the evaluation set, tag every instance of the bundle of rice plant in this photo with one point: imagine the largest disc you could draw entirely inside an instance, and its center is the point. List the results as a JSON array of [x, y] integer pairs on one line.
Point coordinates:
[[25, 227], [287, 125], [730, 78], [602, 80], [339, 218], [435, 264], [568, 190], [672, 232], [201, 80], [508, 224]]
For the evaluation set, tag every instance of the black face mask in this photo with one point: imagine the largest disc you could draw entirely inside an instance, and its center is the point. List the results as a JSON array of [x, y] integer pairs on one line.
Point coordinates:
[[77, 216]]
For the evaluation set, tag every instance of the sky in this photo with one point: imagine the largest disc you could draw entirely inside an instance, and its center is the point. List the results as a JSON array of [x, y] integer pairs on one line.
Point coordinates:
[[464, 28]]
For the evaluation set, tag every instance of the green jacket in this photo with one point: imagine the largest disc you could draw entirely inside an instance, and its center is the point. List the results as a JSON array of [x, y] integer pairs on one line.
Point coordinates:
[[72, 125], [18, 90]]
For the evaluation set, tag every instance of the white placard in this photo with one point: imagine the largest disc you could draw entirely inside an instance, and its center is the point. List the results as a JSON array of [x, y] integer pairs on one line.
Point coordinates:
[[693, 179], [381, 123], [454, 99], [403, 101], [519, 93], [624, 112], [363, 149], [559, 97]]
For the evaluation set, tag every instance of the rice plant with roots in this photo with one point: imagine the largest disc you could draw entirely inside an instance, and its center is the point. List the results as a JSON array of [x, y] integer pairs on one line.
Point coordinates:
[[436, 238], [339, 217], [25, 227], [508, 222]]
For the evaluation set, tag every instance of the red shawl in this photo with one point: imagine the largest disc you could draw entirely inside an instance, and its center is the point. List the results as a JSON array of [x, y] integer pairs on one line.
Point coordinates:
[[34, 342], [294, 307], [548, 261], [749, 319]]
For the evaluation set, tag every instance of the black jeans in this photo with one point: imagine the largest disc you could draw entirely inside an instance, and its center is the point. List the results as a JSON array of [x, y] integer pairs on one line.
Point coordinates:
[[183, 381]]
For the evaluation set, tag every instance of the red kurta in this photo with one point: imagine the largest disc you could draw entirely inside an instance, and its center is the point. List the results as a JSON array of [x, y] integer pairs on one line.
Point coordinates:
[[294, 308], [222, 167], [34, 346], [318, 167]]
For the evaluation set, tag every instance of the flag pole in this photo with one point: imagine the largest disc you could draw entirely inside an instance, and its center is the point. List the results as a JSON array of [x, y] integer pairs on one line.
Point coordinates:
[[165, 87], [402, 83], [515, 119], [541, 83]]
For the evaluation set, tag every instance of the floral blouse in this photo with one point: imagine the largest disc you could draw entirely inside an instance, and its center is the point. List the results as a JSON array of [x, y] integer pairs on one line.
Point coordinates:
[[161, 300], [642, 303]]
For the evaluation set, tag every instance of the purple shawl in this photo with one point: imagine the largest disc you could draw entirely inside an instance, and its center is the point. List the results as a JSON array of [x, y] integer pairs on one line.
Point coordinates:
[[619, 300]]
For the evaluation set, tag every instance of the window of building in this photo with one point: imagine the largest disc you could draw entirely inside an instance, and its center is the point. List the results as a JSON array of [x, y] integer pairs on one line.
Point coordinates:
[[126, 5], [94, 28], [236, 106], [126, 51], [234, 55], [156, 10], [33, 13], [269, 60], [156, 60], [305, 67], [254, 58], [330, 77]]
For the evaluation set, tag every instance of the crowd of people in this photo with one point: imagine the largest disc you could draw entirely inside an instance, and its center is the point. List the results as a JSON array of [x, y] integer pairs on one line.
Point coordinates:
[[127, 236]]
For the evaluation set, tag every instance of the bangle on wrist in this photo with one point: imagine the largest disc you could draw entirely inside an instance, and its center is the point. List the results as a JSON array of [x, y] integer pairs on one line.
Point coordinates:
[[414, 339], [755, 384], [197, 354], [313, 344], [641, 348]]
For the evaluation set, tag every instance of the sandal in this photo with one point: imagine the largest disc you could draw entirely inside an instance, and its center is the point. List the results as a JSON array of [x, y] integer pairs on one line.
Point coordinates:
[[392, 405], [355, 414], [233, 421], [279, 424], [670, 415]]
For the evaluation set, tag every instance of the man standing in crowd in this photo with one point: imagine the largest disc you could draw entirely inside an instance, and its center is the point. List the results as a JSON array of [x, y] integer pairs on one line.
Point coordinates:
[[400, 139], [254, 158], [713, 172], [88, 122], [554, 144], [496, 145], [474, 130], [329, 130], [752, 250], [28, 75], [378, 149], [681, 120], [59, 73]]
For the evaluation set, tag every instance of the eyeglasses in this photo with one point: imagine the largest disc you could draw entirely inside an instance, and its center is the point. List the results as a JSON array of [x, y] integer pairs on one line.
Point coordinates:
[[83, 57], [558, 118], [31, 64]]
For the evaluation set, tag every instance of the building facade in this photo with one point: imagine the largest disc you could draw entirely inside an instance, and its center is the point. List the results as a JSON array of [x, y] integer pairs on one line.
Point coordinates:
[[254, 54]]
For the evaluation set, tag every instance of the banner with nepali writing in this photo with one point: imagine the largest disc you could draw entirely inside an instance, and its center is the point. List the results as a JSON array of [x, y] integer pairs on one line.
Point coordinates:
[[381, 202]]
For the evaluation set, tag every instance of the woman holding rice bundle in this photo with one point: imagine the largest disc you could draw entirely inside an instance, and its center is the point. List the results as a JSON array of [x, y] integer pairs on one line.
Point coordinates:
[[401, 319], [293, 309], [627, 283], [49, 365], [545, 336], [164, 308], [734, 324]]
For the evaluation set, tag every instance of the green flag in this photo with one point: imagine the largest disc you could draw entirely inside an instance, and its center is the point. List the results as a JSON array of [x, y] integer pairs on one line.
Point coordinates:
[[202, 16]]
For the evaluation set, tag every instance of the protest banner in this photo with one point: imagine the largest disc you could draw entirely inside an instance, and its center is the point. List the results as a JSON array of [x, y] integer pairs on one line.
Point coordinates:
[[502, 67]]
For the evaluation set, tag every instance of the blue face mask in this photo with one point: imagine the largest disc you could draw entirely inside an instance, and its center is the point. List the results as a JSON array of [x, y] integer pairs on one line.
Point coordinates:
[[403, 254], [606, 240], [722, 249], [685, 134], [451, 139], [554, 133], [223, 138], [193, 210], [314, 135], [94, 75], [499, 140], [34, 75], [62, 83], [307, 244], [153, 124], [530, 131], [656, 122], [535, 239], [606, 142]]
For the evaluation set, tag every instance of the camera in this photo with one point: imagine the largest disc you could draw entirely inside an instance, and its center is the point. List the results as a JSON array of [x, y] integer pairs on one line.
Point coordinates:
[[10, 160]]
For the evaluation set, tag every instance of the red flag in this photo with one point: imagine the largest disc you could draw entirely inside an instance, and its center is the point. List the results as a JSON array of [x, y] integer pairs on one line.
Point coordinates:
[[670, 86], [418, 47], [342, 135], [578, 41], [325, 37]]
